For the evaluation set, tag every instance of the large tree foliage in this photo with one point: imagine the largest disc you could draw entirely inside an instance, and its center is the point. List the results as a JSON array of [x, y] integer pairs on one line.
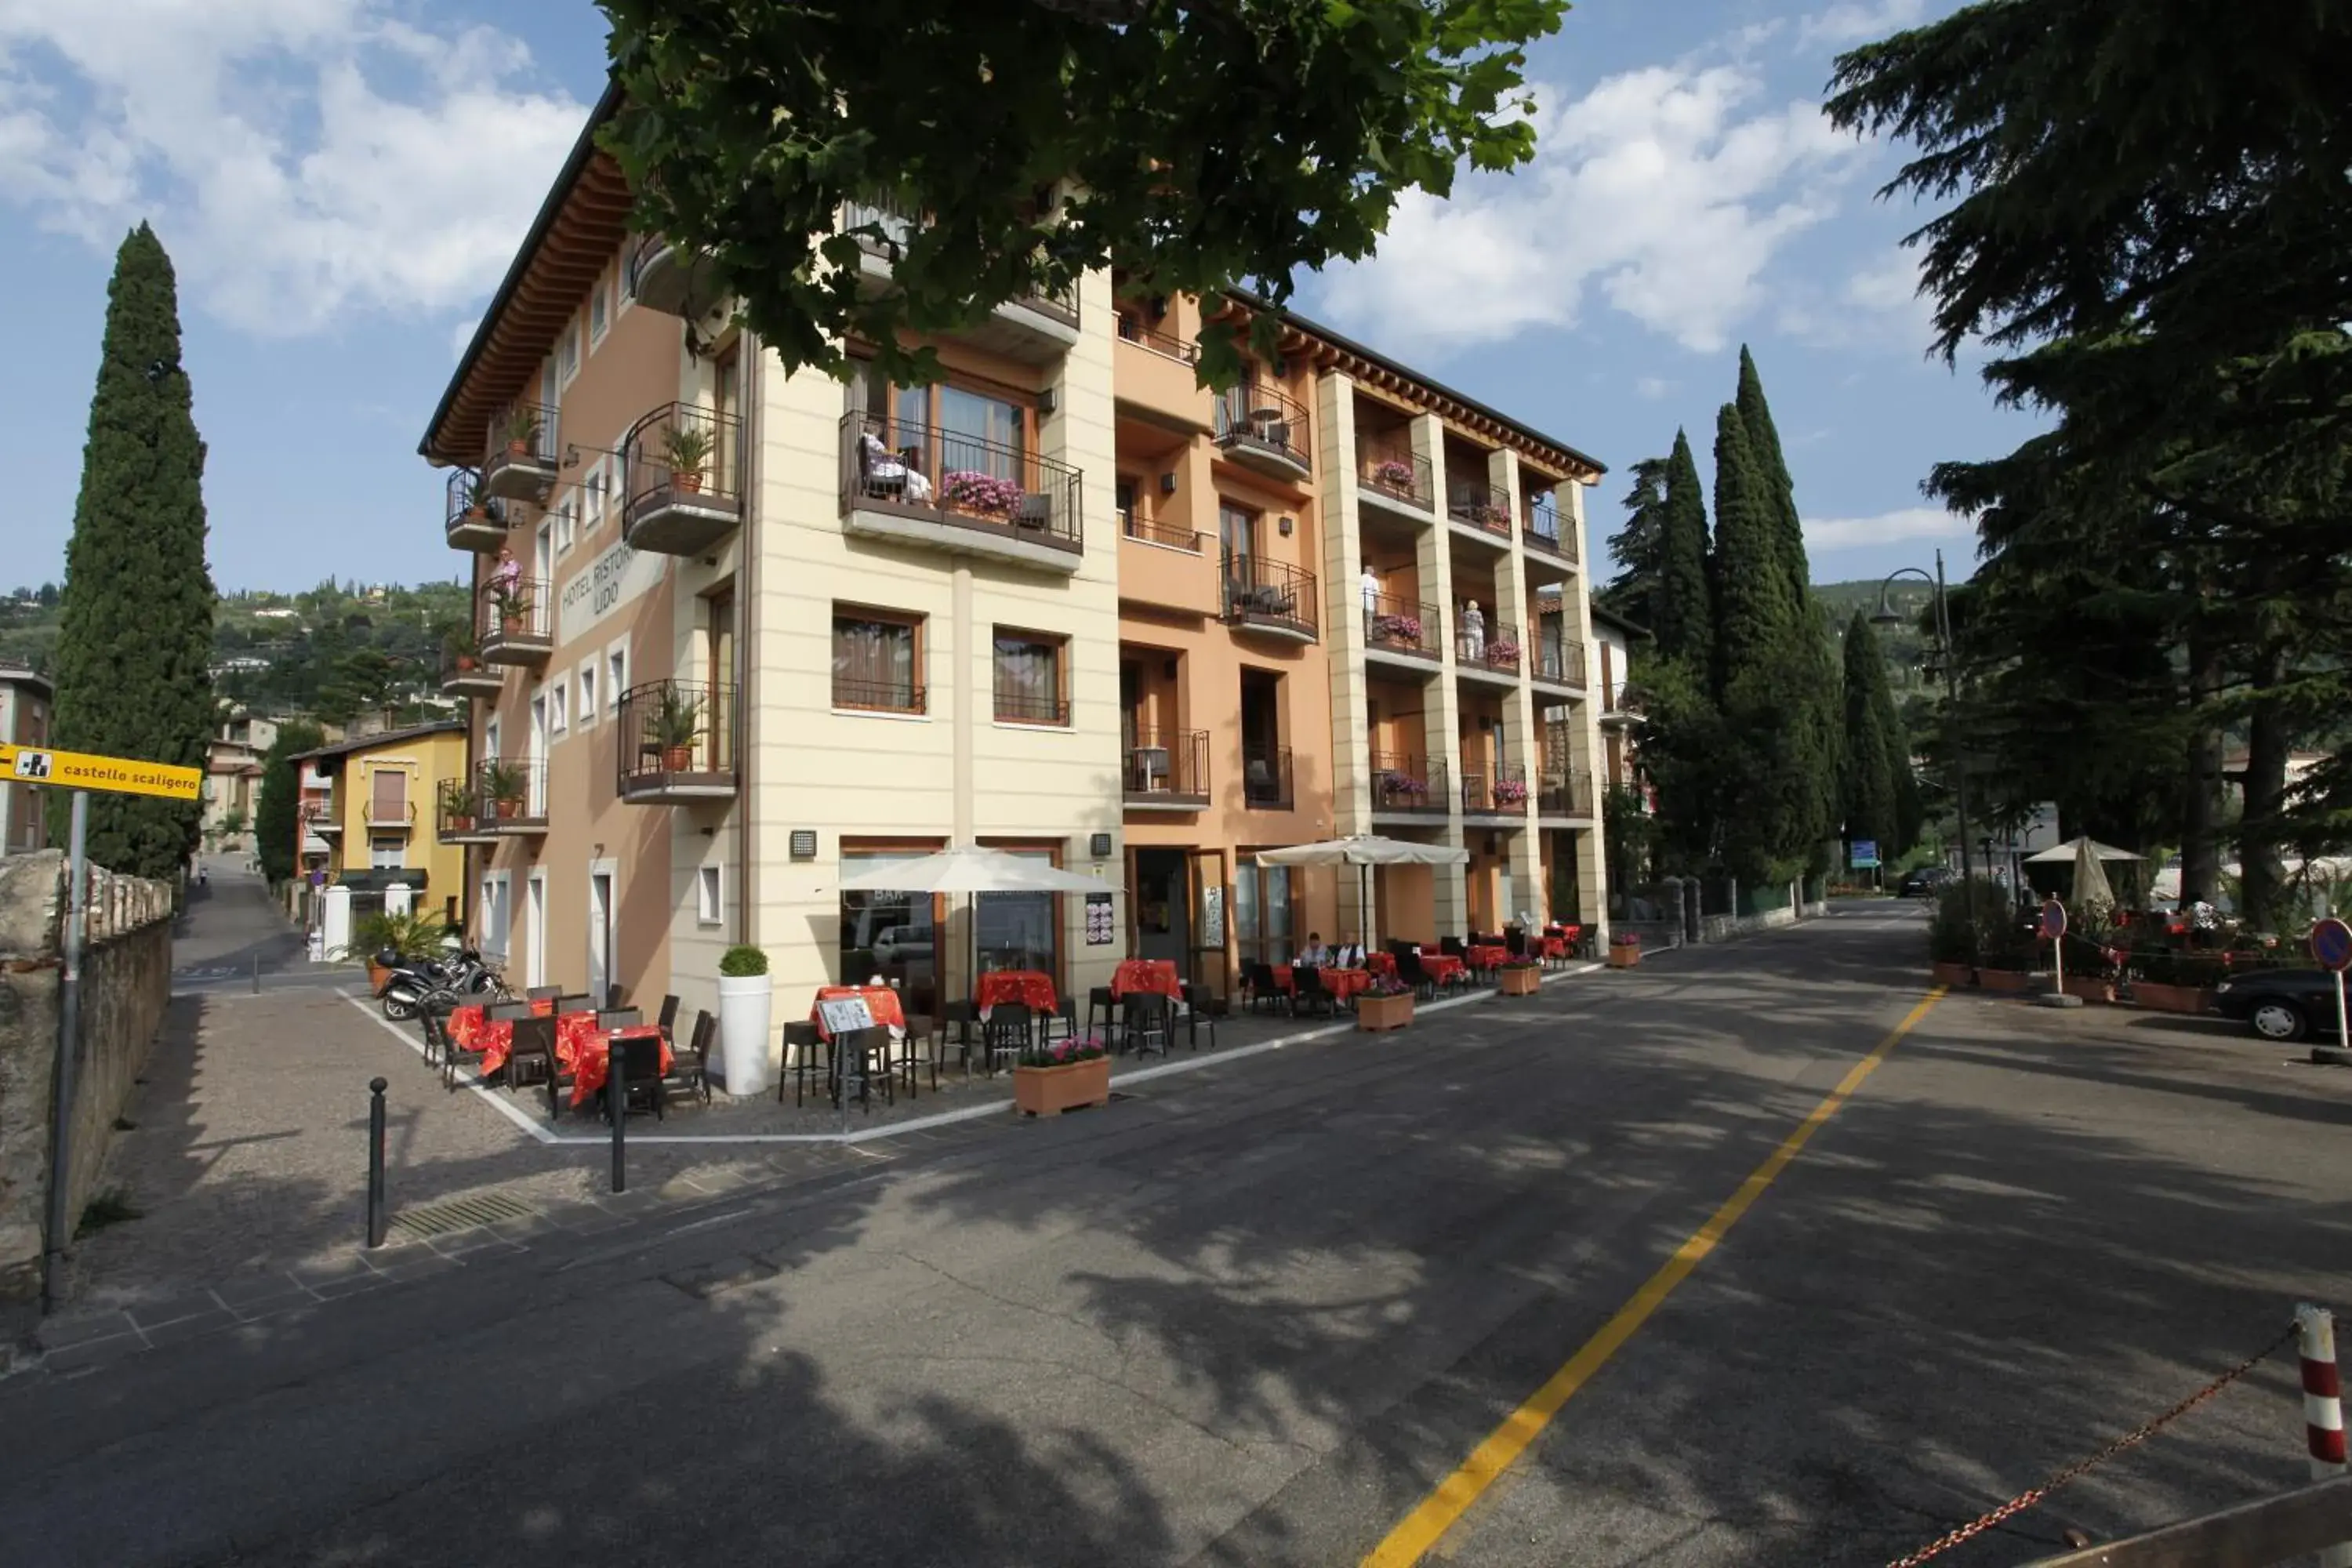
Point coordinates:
[[136, 636], [1878, 797], [276, 811], [1202, 144], [1682, 614], [1635, 547]]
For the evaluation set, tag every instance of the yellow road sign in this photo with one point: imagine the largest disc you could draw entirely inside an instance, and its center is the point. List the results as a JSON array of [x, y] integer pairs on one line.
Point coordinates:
[[79, 770]]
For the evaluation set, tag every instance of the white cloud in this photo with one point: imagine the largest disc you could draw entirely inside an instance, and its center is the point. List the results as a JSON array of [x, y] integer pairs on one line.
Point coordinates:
[[1665, 190], [1886, 528], [1879, 304], [1653, 387], [1855, 22], [302, 159]]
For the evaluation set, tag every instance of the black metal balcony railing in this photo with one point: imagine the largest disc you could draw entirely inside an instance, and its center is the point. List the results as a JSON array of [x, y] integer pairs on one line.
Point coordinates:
[[522, 457], [1132, 330], [1480, 505], [460, 813], [889, 695], [1148, 530], [1404, 781], [1014, 706], [1495, 790], [1401, 626], [885, 225], [470, 519], [1168, 767], [388, 813], [1396, 472], [684, 468], [1266, 778], [514, 794], [676, 735], [511, 618], [1564, 792], [1495, 645], [964, 481], [1270, 594], [1541, 527], [463, 674], [1559, 661], [1259, 418], [318, 817]]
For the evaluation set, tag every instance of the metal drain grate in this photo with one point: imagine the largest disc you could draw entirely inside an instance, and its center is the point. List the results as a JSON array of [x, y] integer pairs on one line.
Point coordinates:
[[460, 1213]]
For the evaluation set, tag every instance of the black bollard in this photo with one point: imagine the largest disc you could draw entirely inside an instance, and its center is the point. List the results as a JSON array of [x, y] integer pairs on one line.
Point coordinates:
[[376, 1221], [616, 1105]]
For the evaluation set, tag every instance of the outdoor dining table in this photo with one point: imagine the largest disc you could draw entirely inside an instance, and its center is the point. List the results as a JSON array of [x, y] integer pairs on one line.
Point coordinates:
[[1342, 983], [1032, 986], [1440, 966], [1487, 955], [1382, 964], [585, 1052], [1147, 974], [470, 1030], [881, 1002]]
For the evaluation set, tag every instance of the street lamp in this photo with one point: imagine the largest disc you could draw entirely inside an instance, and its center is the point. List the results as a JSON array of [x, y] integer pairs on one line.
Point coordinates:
[[1887, 616]]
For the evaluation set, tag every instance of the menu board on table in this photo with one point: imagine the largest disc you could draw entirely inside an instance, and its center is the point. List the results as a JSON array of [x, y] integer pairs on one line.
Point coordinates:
[[843, 1013], [1099, 921]]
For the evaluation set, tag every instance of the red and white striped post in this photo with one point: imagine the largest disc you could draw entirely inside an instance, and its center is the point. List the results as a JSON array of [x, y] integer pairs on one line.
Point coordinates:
[[2323, 1407]]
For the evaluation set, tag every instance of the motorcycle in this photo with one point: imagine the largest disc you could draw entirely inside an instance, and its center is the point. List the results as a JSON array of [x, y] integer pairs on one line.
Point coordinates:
[[443, 982]]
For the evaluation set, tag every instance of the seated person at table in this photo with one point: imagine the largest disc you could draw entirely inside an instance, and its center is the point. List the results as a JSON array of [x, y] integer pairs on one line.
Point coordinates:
[[1349, 953], [1315, 955]]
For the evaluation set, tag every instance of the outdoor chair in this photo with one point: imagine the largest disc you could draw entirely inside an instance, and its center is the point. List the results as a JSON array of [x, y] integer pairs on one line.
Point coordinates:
[[619, 1018], [1036, 512], [435, 1037], [804, 1056], [1010, 1027], [454, 1056], [641, 1061], [859, 1052], [690, 1065], [531, 1061], [577, 1002], [1146, 1026], [614, 997], [1451, 946], [1410, 971], [958, 1025], [1099, 996], [1201, 1005], [1258, 979], [542, 993], [1306, 994], [668, 1018]]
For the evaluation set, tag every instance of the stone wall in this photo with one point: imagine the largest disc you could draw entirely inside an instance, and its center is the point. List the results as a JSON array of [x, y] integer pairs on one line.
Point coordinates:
[[126, 986]]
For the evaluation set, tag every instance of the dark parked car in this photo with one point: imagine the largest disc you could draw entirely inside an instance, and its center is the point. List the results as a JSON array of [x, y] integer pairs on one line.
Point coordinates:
[[2282, 1004], [1924, 883]]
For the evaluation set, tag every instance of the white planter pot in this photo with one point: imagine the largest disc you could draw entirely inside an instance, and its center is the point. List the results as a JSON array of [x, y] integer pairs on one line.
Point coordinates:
[[744, 1003]]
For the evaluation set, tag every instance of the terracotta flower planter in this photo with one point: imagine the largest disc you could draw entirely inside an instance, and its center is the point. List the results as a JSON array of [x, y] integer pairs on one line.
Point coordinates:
[[461, 824], [510, 807], [2015, 981], [377, 975], [1624, 955], [678, 759], [1049, 1091], [1379, 1015], [1949, 975], [1518, 981], [2192, 1000], [510, 625], [686, 484]]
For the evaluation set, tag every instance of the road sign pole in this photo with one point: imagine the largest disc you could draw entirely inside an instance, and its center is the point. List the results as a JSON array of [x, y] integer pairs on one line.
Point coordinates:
[[59, 1227], [2342, 1038]]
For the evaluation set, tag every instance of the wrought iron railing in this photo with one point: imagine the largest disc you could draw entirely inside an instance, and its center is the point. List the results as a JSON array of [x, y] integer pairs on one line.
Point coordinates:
[[509, 611], [960, 480], [1396, 472], [1259, 591], [1401, 626], [1542, 526], [890, 222], [886, 696], [458, 813], [514, 790], [1497, 788], [1480, 505], [679, 452], [1564, 792], [463, 503], [672, 730], [1258, 416], [1132, 330], [1014, 706], [1495, 645], [1403, 780], [1149, 531], [464, 666], [1168, 764], [1266, 778], [388, 814], [525, 433], [1559, 661]]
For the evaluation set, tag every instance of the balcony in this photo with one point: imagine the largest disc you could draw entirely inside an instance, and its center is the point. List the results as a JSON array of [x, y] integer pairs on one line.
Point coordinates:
[[913, 484], [463, 674], [1403, 783], [1543, 530], [1402, 631], [512, 621], [1493, 649], [1168, 771], [1396, 478], [1560, 664], [1261, 426], [521, 466], [1166, 567], [1497, 792], [671, 279], [678, 743], [514, 796], [462, 816], [1269, 596], [1154, 378], [318, 820], [1564, 793], [389, 816], [1480, 509], [472, 521], [684, 468], [1266, 778], [1037, 328]]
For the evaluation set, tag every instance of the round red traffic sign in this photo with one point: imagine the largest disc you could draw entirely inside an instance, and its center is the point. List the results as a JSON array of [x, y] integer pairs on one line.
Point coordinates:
[[2331, 944], [2053, 919]]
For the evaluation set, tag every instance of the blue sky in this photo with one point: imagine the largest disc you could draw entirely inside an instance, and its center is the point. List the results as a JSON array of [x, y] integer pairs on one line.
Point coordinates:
[[342, 182]]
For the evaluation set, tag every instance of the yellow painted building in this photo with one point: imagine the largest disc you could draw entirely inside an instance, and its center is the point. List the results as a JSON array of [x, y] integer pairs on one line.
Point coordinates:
[[377, 819]]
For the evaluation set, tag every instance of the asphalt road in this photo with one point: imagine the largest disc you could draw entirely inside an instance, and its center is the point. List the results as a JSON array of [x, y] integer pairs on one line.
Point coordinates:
[[230, 933], [1253, 1315]]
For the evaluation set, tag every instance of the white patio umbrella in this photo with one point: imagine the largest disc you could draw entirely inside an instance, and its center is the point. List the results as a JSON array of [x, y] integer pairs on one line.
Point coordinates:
[[2090, 876], [2061, 853], [1363, 851], [971, 870]]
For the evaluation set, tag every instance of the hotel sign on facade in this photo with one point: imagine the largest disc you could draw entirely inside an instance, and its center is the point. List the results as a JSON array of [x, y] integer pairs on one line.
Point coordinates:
[[612, 580]]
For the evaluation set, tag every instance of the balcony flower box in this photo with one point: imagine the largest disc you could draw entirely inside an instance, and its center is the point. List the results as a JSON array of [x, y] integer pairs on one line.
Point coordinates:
[[1520, 979], [1379, 1011], [1625, 952], [1400, 785], [2192, 1000], [1510, 792], [1070, 1075], [1397, 629], [1392, 475], [985, 495], [1503, 650]]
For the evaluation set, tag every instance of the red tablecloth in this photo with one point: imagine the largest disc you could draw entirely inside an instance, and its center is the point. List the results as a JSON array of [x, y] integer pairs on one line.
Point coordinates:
[[880, 1001], [1487, 955], [1342, 983], [470, 1031], [1381, 963], [587, 1054], [1440, 966], [1552, 946], [1028, 985], [1147, 974]]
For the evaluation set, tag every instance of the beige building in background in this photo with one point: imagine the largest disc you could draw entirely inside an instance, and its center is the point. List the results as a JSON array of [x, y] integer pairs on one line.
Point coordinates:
[[26, 700]]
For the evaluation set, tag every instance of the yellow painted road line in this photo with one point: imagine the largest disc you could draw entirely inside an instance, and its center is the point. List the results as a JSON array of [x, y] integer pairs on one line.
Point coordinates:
[[1438, 1512]]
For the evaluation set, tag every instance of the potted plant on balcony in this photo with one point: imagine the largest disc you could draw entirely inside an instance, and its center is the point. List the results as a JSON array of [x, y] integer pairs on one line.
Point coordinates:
[[522, 432], [1520, 977], [1401, 787], [687, 447], [1624, 949], [465, 652], [1510, 792], [1502, 651], [1401, 630], [1394, 474], [1386, 1005], [457, 806], [677, 726], [1066, 1075], [968, 490], [504, 784], [512, 604], [745, 996]]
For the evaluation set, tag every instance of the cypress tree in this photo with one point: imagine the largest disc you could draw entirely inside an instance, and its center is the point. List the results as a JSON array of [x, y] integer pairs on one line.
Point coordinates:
[[1683, 609], [1773, 470], [276, 812], [1868, 788], [1753, 611], [135, 629]]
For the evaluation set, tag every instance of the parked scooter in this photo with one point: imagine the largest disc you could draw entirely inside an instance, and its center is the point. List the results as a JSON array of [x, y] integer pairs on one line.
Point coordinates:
[[440, 982]]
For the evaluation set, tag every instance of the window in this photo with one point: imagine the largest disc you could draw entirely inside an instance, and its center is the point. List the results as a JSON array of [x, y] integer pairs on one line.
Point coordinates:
[[387, 851], [600, 311], [889, 936], [491, 739], [1262, 912], [566, 525], [588, 692], [878, 662], [1019, 931], [1126, 491], [616, 670], [543, 555], [495, 914], [388, 797], [567, 356], [594, 489], [707, 907], [558, 708], [951, 427], [1029, 688]]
